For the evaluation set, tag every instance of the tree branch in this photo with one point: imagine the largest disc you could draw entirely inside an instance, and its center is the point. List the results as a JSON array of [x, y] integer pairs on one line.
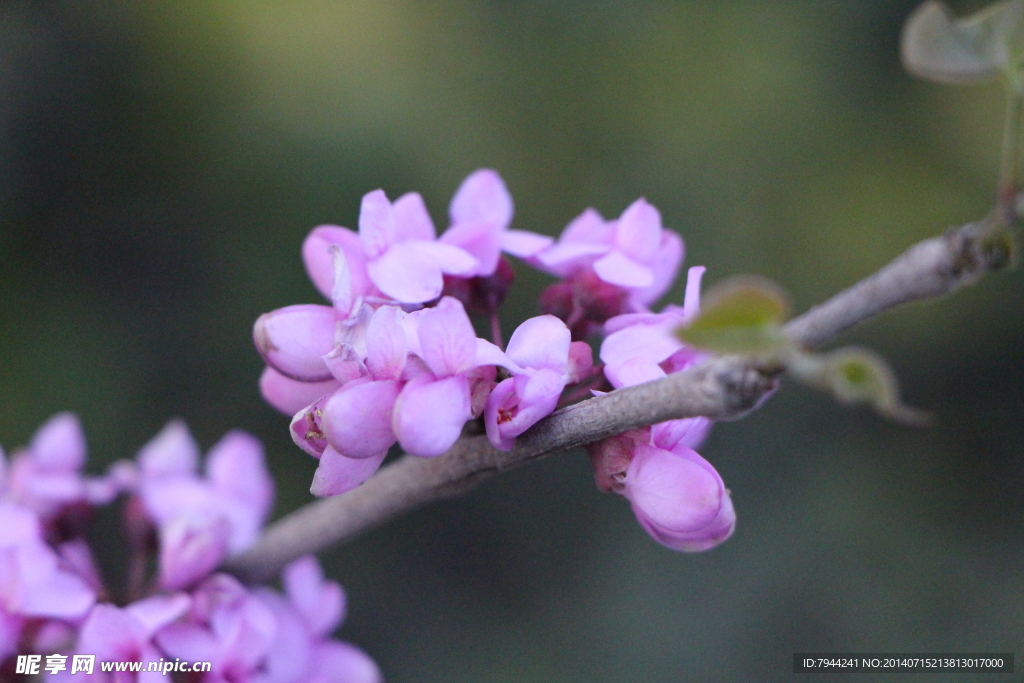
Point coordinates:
[[722, 388]]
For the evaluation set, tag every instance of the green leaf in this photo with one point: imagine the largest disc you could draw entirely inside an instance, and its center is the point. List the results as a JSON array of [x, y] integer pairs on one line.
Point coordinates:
[[938, 47], [856, 375], [741, 315]]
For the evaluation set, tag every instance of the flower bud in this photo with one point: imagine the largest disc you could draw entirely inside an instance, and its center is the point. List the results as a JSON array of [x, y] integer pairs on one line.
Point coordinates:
[[294, 339], [679, 498]]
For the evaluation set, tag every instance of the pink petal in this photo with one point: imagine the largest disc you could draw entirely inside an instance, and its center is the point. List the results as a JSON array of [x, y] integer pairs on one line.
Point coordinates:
[[482, 241], [171, 452], [111, 633], [59, 444], [638, 231], [653, 343], [60, 594], [357, 418], [235, 465], [664, 267], [294, 339], [345, 365], [565, 257], [352, 330], [321, 603], [481, 383], [691, 301], [337, 474], [10, 633], [449, 258], [338, 662], [412, 220], [190, 549], [407, 273], [524, 244], [679, 498], [342, 295], [482, 198], [501, 404], [76, 557], [447, 340], [156, 612], [581, 362], [429, 416], [306, 429], [589, 227], [386, 347], [289, 655], [541, 342], [636, 370], [537, 396], [190, 642], [621, 322], [688, 433], [169, 498], [618, 269], [319, 260], [19, 525], [290, 396], [489, 354], [376, 225]]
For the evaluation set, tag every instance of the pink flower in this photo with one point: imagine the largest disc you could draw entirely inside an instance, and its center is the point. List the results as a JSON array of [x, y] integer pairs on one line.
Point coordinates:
[[47, 476], [643, 346], [201, 520], [435, 403], [32, 582], [310, 611], [403, 258], [311, 350], [350, 430], [678, 498], [319, 254], [633, 252], [226, 625], [260, 635], [425, 374], [610, 267], [544, 360], [676, 495], [481, 212], [126, 635]]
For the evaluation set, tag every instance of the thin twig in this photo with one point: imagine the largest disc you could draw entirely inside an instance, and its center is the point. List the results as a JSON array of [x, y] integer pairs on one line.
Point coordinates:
[[723, 388]]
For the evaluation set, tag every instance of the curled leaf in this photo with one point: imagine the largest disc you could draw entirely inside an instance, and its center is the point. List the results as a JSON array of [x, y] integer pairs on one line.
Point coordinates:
[[856, 375], [740, 315], [938, 47]]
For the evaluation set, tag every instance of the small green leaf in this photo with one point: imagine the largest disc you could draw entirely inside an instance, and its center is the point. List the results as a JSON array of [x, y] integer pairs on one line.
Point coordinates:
[[938, 47], [740, 315], [857, 375]]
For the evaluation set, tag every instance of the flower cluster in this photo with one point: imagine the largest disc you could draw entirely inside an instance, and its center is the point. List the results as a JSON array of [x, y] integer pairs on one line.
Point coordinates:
[[53, 600], [395, 359]]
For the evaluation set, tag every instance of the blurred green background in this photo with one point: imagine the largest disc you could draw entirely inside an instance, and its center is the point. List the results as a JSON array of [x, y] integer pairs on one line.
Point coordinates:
[[161, 162]]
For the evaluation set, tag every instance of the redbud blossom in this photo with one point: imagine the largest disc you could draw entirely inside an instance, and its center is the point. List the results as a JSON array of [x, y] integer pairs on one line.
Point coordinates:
[[403, 258], [261, 635], [481, 212], [610, 267], [540, 350], [46, 476], [201, 520], [32, 582], [678, 498], [643, 346]]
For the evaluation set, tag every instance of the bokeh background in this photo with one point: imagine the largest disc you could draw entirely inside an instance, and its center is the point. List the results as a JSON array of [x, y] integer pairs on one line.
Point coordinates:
[[161, 162]]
